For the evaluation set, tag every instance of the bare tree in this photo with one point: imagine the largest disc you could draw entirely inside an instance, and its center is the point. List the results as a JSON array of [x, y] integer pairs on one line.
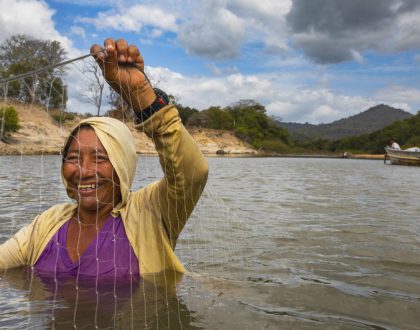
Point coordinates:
[[119, 108], [96, 85]]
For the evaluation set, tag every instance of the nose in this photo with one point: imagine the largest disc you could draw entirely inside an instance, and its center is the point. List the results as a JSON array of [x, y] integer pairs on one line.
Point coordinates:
[[87, 167]]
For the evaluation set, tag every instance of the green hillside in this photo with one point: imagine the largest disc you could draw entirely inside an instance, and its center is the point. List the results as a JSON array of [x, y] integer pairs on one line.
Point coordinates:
[[405, 132], [365, 122]]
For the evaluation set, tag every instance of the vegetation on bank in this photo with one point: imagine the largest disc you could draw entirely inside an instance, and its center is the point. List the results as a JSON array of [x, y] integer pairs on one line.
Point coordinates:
[[20, 54], [247, 119], [9, 122], [405, 132]]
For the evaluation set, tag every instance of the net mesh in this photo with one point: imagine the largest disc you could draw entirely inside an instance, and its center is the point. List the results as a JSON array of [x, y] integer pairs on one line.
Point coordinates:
[[31, 184]]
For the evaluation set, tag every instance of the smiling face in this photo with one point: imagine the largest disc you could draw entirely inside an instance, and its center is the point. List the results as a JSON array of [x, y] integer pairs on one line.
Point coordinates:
[[91, 178]]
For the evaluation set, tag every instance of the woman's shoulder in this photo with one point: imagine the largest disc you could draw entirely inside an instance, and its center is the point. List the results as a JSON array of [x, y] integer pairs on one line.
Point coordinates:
[[57, 212]]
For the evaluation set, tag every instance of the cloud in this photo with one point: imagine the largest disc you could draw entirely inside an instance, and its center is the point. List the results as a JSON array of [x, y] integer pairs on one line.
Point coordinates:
[[282, 100], [316, 105], [78, 31], [218, 29], [88, 3], [265, 20], [333, 31], [133, 19], [400, 96], [279, 93], [215, 33], [29, 17]]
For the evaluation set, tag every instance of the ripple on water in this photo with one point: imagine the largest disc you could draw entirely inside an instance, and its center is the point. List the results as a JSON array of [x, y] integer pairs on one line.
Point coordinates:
[[300, 243]]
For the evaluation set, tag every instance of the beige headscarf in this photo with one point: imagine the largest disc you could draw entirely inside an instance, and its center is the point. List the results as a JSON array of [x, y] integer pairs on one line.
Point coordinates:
[[120, 146]]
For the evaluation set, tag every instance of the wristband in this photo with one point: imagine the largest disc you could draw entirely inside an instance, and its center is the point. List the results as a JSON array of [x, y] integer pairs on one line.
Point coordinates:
[[161, 101]]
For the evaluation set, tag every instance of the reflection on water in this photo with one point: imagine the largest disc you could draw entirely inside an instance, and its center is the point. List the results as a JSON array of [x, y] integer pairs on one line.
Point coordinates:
[[273, 243], [69, 303]]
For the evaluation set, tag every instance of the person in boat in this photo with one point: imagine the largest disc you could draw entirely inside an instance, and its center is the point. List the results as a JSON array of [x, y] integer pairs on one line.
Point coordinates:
[[394, 145], [109, 230]]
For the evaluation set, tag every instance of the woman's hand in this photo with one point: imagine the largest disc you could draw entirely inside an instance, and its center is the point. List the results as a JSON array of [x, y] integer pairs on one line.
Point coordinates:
[[122, 66]]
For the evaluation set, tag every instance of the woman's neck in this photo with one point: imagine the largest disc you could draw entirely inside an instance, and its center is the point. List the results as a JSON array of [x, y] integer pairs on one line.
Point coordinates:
[[94, 217]]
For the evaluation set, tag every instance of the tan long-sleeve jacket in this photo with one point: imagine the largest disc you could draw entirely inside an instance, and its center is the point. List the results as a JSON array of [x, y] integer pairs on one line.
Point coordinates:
[[153, 216]]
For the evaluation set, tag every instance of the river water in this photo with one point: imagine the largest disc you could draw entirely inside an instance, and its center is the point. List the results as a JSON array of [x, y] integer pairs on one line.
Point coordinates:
[[274, 243]]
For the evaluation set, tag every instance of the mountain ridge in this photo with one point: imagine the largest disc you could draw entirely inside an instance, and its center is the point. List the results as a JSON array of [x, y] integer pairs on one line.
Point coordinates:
[[368, 121]]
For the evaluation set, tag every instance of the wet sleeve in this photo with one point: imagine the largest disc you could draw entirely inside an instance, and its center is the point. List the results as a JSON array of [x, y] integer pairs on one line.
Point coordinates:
[[184, 166], [14, 252]]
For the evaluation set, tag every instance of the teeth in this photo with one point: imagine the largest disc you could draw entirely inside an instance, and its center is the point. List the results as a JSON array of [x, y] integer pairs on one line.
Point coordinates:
[[87, 186]]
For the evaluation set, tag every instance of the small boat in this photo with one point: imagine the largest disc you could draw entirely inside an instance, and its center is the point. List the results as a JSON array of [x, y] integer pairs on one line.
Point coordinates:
[[402, 157]]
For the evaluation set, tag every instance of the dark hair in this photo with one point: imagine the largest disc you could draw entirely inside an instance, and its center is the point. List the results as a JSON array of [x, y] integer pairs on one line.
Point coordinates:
[[71, 137]]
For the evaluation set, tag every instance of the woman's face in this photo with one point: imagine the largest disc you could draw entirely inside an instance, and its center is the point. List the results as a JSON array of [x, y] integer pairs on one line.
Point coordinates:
[[90, 176]]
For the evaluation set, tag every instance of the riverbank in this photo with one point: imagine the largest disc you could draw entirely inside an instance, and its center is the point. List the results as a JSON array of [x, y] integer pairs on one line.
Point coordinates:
[[40, 134]]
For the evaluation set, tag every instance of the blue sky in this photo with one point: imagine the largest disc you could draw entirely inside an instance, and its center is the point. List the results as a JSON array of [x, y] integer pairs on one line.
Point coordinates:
[[306, 61]]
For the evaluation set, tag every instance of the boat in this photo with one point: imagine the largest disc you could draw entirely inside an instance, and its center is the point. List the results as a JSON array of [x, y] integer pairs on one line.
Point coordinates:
[[403, 157]]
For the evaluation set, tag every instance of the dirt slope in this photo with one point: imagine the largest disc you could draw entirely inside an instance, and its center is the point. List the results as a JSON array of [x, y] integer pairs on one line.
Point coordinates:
[[41, 134]]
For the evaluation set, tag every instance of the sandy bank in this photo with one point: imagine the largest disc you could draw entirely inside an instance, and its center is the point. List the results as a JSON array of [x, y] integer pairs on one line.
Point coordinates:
[[41, 134]]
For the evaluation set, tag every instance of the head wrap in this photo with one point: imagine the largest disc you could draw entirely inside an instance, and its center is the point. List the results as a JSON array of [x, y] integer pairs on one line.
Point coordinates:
[[120, 146]]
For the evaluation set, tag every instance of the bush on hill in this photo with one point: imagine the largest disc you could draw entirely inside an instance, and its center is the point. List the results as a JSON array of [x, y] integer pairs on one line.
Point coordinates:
[[61, 116], [9, 122]]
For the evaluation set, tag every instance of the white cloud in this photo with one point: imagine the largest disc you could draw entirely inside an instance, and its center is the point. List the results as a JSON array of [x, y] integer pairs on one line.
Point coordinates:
[[282, 100], [133, 19], [317, 105], [279, 94], [400, 95], [88, 3], [30, 17], [79, 31]]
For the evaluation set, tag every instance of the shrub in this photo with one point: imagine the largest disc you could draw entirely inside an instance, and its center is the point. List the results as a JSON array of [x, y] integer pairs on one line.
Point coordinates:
[[61, 116], [414, 141], [9, 121], [276, 146]]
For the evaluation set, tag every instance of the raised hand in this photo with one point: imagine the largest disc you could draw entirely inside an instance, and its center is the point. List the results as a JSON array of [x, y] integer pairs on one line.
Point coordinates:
[[122, 67]]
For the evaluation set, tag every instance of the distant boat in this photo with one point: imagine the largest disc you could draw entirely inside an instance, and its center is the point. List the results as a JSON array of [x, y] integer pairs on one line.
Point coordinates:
[[403, 157]]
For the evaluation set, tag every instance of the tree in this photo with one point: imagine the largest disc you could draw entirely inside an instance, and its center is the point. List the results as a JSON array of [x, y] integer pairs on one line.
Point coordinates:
[[251, 124], [22, 53], [119, 108], [9, 122], [96, 85]]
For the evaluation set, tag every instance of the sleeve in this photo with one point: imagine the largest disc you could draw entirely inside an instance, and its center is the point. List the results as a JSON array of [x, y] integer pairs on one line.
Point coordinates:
[[14, 252], [184, 166]]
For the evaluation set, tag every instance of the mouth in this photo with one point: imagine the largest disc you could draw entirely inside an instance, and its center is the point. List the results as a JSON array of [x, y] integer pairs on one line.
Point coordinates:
[[87, 187]]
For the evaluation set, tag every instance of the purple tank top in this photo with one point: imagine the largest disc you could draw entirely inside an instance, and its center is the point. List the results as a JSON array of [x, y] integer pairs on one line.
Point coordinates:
[[109, 256]]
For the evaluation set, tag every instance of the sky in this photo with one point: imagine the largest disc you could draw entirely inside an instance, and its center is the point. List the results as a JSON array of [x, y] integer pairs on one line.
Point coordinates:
[[310, 61]]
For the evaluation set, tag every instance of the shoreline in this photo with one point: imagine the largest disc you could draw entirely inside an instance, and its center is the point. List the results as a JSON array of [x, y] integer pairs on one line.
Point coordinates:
[[32, 152]]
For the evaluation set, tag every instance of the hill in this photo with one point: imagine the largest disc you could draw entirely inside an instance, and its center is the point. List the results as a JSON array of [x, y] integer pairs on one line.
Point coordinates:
[[369, 121], [406, 132], [41, 134]]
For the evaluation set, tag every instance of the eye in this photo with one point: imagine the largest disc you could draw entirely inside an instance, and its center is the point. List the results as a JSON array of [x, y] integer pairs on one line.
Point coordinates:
[[72, 158], [101, 158]]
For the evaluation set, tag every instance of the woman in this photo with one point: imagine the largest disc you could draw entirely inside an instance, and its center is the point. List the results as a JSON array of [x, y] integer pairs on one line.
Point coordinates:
[[110, 231]]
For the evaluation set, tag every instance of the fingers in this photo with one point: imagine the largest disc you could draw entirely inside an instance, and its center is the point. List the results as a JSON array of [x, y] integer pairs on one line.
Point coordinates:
[[98, 54], [117, 52], [134, 57], [121, 48]]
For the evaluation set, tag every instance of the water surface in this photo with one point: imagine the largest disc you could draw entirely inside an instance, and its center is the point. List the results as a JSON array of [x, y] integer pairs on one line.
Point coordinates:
[[273, 243]]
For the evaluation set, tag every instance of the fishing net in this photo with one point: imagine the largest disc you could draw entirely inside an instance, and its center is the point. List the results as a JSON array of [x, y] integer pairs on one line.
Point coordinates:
[[30, 184]]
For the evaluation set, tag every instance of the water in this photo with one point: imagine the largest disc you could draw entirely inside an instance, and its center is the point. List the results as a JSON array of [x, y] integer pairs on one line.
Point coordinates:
[[274, 243]]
